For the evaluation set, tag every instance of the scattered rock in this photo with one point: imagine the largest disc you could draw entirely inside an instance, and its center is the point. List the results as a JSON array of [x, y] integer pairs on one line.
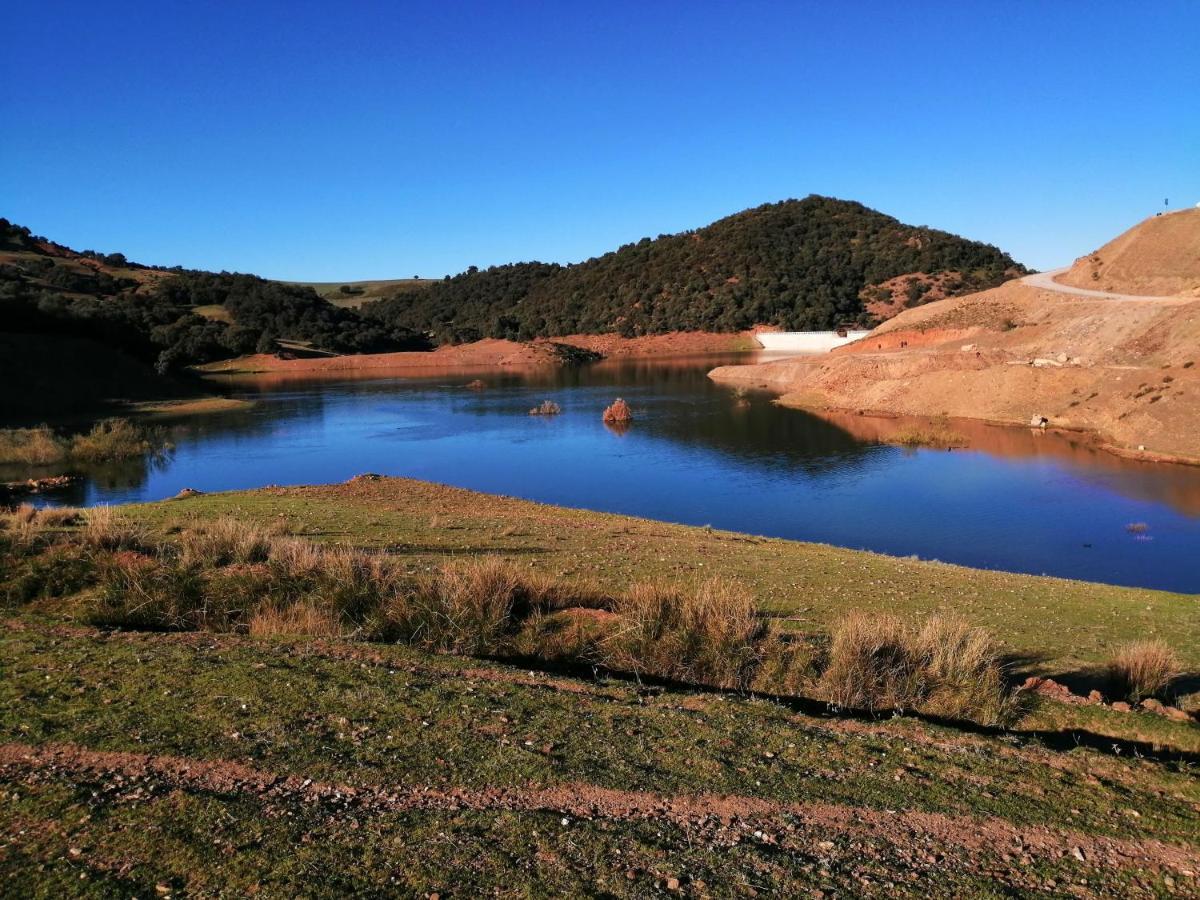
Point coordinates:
[[672, 884], [1121, 706], [1095, 696], [968, 348], [1174, 712], [38, 485], [1051, 689], [365, 476], [187, 492], [1041, 363], [1151, 705]]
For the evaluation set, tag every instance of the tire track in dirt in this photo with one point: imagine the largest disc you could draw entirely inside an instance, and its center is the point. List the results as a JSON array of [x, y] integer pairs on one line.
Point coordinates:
[[724, 818]]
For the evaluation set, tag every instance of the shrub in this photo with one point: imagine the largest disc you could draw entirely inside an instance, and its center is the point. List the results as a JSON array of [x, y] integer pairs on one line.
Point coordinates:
[[1143, 669], [872, 665], [114, 439], [31, 446], [712, 635], [546, 408], [618, 413]]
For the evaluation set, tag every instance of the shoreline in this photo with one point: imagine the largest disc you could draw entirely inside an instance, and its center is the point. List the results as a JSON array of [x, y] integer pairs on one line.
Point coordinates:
[[495, 353], [1090, 436]]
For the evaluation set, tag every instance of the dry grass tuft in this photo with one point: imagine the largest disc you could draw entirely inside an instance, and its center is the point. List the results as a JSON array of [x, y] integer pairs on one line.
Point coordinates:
[[106, 529], [467, 607], [1143, 669], [546, 408], [60, 516], [964, 676], [872, 665], [618, 413], [931, 436], [223, 542], [303, 619], [947, 668], [38, 446], [712, 635]]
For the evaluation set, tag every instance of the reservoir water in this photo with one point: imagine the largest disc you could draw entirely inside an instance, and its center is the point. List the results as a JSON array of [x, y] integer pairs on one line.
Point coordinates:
[[701, 454]]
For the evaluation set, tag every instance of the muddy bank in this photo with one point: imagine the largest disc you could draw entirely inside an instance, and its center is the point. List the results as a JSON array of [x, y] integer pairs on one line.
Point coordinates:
[[491, 353]]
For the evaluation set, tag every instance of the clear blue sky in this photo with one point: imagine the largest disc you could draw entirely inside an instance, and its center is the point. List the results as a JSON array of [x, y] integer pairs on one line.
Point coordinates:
[[356, 140]]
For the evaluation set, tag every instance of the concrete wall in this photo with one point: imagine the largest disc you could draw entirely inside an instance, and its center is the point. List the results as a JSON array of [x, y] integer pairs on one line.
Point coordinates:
[[805, 341]]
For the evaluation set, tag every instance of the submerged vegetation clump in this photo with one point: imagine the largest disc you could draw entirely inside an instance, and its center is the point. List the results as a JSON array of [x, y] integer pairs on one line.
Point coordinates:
[[940, 436], [107, 441], [226, 575], [618, 413]]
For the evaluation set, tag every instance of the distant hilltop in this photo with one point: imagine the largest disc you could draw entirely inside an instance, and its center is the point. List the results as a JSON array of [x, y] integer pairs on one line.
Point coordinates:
[[810, 264], [1159, 256]]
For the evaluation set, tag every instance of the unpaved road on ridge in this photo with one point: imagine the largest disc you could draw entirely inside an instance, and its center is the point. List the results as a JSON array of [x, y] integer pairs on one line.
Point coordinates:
[[1045, 281]]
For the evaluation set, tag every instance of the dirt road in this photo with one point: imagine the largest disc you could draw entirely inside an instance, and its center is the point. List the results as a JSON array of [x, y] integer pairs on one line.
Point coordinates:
[[1046, 281]]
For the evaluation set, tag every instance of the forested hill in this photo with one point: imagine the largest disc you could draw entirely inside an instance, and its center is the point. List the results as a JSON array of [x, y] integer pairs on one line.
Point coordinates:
[[172, 318], [800, 264]]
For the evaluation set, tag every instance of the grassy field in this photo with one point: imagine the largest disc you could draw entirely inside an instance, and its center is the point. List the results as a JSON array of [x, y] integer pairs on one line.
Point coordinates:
[[363, 291], [1056, 626], [142, 763]]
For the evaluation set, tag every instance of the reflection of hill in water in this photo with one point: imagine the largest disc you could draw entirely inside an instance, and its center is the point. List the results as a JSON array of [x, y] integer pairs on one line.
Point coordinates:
[[754, 431], [1177, 486]]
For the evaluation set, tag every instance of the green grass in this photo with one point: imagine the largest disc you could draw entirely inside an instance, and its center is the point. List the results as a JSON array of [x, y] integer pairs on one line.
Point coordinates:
[[1054, 625], [364, 291], [391, 718], [326, 767]]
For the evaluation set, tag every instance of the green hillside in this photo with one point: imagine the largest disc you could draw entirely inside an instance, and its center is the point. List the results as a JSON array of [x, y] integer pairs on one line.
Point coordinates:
[[799, 264]]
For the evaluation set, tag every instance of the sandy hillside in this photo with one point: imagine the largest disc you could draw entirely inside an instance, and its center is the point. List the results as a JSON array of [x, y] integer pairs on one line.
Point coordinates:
[[1159, 256], [1125, 370]]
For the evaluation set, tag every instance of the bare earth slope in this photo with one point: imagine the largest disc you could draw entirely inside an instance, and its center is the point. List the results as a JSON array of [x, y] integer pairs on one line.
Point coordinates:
[[1122, 369], [1160, 256]]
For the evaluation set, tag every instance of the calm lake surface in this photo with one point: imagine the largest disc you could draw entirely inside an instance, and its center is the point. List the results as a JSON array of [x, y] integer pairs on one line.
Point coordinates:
[[699, 453]]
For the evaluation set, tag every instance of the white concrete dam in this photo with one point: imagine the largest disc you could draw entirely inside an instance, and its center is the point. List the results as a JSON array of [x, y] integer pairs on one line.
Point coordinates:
[[806, 341]]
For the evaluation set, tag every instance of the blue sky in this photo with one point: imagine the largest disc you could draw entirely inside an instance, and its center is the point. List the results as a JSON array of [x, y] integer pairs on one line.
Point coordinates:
[[368, 140]]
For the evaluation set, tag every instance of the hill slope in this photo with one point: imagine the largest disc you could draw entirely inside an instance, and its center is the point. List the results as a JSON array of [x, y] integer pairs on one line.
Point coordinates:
[[1159, 257], [798, 264], [171, 318], [1126, 370]]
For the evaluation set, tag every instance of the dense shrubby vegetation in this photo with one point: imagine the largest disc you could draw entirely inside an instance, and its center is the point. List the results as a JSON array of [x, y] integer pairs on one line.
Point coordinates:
[[799, 264], [49, 289]]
